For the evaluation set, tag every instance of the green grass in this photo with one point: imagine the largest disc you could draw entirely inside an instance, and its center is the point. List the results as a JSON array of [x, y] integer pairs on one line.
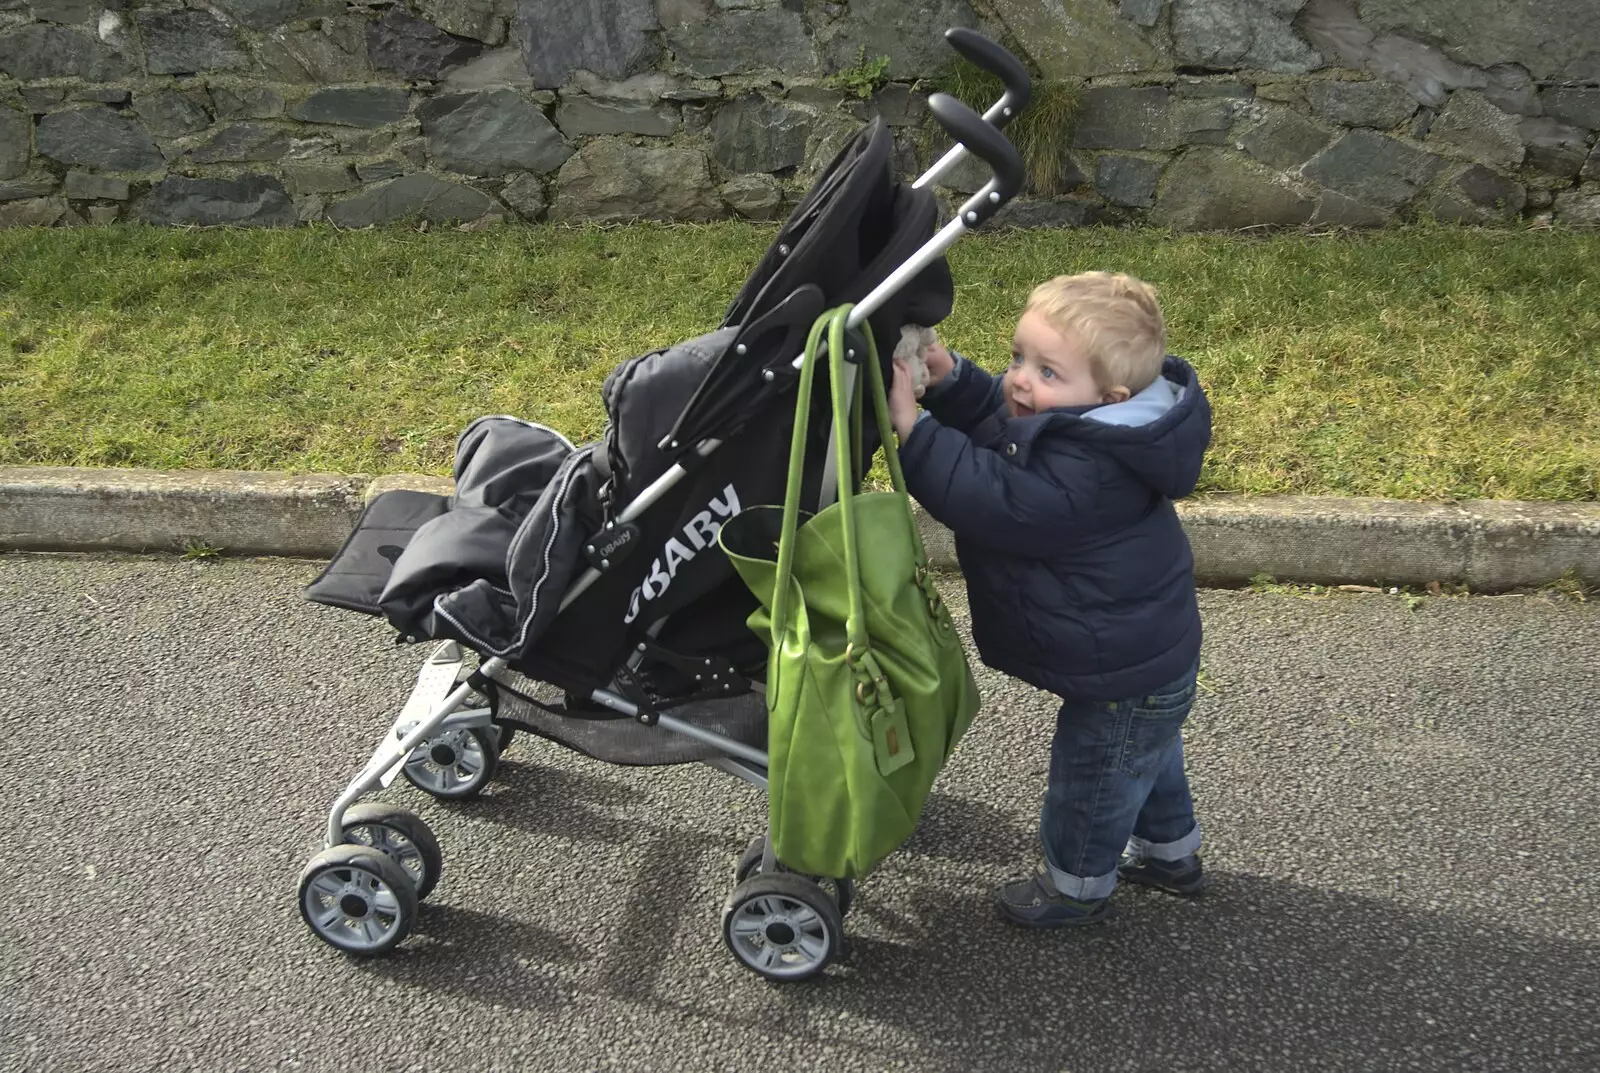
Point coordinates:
[[1423, 363]]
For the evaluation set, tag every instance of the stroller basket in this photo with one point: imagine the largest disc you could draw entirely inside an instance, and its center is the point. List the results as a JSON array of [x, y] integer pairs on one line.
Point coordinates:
[[588, 579], [613, 738]]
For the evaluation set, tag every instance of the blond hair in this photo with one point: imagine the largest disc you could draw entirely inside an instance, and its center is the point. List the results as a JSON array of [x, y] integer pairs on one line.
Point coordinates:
[[1115, 317]]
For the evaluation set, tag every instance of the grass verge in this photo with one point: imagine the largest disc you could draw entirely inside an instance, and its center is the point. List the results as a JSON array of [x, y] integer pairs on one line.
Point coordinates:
[[1429, 362]]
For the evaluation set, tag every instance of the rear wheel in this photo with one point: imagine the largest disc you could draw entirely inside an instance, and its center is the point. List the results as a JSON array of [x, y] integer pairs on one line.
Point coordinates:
[[842, 891]]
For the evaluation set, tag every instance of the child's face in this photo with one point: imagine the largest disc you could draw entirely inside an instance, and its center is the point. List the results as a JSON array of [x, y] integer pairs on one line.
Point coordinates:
[[1049, 369]]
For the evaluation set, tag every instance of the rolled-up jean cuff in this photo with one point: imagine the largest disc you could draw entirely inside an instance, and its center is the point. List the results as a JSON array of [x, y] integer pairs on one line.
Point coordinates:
[[1084, 890], [1165, 851]]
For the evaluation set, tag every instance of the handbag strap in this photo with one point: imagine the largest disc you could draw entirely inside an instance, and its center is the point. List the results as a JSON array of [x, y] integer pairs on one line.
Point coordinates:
[[847, 449]]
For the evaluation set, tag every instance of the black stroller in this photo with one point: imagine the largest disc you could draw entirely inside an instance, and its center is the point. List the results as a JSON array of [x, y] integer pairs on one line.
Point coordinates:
[[587, 581]]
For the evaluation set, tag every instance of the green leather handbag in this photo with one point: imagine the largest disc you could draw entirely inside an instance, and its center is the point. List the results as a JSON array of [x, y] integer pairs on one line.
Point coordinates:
[[868, 687]]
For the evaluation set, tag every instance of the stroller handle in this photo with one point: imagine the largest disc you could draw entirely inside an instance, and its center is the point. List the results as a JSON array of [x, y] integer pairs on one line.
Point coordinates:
[[993, 58], [1000, 63], [986, 143]]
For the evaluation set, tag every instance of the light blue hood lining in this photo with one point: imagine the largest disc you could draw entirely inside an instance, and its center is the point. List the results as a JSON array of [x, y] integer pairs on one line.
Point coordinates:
[[1147, 406]]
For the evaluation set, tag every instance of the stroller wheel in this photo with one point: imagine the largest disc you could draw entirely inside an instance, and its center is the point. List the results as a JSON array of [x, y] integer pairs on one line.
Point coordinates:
[[399, 835], [843, 891], [455, 763], [782, 926], [357, 899]]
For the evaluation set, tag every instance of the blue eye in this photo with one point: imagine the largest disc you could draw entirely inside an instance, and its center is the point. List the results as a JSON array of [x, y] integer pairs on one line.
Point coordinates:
[[1016, 359], [1047, 373]]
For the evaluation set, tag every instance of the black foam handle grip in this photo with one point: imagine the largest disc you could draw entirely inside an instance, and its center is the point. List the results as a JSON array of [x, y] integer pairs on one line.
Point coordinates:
[[990, 146], [997, 61]]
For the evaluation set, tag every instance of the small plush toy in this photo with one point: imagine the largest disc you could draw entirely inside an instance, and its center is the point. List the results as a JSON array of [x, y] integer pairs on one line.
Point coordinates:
[[914, 339]]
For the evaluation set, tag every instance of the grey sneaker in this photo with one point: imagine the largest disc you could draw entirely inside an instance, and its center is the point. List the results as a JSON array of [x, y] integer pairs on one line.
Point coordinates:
[[1185, 878], [1034, 902]]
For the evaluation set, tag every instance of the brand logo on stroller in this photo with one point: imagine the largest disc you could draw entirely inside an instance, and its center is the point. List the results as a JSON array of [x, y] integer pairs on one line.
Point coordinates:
[[700, 533]]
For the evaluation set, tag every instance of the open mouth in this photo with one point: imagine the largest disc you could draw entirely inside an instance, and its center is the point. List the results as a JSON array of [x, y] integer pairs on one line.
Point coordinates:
[[1019, 410]]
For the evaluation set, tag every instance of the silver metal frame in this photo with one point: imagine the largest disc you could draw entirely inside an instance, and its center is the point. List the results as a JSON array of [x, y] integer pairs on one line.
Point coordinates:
[[740, 760]]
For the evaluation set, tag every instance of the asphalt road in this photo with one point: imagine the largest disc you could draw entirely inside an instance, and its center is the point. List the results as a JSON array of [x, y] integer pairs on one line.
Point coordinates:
[[1399, 808]]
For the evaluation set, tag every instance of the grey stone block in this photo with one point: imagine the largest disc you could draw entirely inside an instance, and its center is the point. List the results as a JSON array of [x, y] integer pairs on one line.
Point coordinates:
[[1553, 146], [753, 197], [1579, 106], [318, 177], [1028, 213], [41, 99], [1284, 139], [1139, 118], [401, 42], [1216, 189], [171, 113], [753, 134], [1144, 12], [186, 42], [583, 115], [357, 106], [247, 201], [1477, 130], [1577, 209], [379, 171], [479, 20], [1379, 104], [907, 31], [102, 95], [82, 185], [610, 181], [426, 196], [247, 102], [33, 212], [1229, 34], [1373, 168], [26, 189], [526, 195], [742, 42], [1128, 181], [1479, 195], [67, 12], [491, 133], [39, 51], [1336, 210], [98, 138], [242, 142], [612, 38]]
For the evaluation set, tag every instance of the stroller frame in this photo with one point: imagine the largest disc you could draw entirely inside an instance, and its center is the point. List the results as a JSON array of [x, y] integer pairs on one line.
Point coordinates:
[[441, 702]]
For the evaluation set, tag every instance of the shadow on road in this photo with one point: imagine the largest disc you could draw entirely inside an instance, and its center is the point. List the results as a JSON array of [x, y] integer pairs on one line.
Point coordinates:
[[1262, 974]]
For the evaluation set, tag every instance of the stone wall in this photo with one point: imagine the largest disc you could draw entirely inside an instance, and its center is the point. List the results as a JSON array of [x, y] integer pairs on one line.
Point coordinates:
[[1196, 114]]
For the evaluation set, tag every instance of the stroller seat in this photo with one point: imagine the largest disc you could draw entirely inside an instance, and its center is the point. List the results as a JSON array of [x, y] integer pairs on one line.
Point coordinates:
[[531, 512]]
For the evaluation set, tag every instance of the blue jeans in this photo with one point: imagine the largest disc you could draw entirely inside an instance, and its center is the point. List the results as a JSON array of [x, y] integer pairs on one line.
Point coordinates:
[[1116, 783]]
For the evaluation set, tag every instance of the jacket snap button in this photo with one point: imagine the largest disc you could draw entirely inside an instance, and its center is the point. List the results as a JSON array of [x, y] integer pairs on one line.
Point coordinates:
[[1011, 448]]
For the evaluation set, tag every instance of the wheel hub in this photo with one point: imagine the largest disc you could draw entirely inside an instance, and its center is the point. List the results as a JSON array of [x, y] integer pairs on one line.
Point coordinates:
[[442, 754], [779, 932], [353, 905]]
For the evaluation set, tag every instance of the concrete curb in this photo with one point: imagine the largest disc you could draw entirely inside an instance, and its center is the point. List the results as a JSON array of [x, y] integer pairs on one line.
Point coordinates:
[[1488, 545]]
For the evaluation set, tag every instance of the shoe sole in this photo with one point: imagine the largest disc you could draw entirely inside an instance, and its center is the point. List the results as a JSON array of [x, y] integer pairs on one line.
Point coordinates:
[[1187, 890]]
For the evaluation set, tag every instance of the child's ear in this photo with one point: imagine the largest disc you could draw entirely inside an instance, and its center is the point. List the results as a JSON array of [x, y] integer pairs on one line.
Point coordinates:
[[1116, 394]]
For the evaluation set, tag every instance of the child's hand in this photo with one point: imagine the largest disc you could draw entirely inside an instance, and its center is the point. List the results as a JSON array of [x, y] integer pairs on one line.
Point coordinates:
[[938, 360], [902, 400]]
